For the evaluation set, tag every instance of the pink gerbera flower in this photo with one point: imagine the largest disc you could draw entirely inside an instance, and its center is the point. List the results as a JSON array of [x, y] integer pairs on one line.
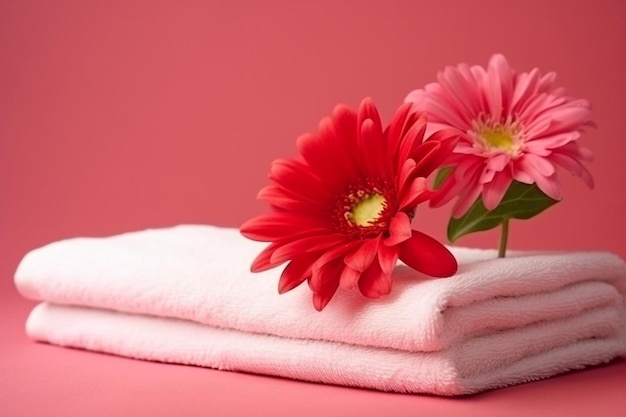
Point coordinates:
[[341, 212], [516, 126]]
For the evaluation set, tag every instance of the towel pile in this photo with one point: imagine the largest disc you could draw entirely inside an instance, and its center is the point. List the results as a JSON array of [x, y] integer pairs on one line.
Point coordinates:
[[185, 295]]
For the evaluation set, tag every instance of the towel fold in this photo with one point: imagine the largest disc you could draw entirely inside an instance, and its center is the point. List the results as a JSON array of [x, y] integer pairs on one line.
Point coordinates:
[[185, 295], [201, 273], [497, 360]]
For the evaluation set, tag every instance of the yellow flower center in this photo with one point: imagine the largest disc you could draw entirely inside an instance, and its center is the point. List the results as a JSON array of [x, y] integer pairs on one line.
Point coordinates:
[[499, 137], [368, 210]]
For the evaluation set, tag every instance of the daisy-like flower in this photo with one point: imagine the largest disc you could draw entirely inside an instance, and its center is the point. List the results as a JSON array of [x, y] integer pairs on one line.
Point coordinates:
[[341, 212], [516, 126]]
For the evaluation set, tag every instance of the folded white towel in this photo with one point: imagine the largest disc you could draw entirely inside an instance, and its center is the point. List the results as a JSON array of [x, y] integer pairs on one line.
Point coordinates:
[[201, 274], [509, 357]]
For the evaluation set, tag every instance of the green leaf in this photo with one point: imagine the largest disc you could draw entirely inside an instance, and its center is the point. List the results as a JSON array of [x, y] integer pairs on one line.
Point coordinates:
[[441, 176], [521, 201]]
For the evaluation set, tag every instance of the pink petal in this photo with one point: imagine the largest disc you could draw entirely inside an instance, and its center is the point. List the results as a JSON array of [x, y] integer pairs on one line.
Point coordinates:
[[446, 192], [546, 81], [399, 229], [573, 166], [498, 162], [565, 119], [550, 186], [540, 145], [520, 175], [501, 90], [525, 86], [494, 191], [425, 254], [540, 164], [467, 198], [463, 90]]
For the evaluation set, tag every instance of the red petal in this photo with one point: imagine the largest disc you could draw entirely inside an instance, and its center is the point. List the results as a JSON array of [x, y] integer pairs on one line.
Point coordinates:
[[280, 225], [362, 258], [372, 148], [311, 243], [280, 198], [388, 258], [396, 128], [296, 272], [425, 254], [316, 151], [406, 173], [298, 179], [399, 229], [423, 154], [325, 282], [334, 253], [412, 139], [262, 261], [367, 110], [448, 139], [418, 193], [375, 283], [344, 124], [349, 278]]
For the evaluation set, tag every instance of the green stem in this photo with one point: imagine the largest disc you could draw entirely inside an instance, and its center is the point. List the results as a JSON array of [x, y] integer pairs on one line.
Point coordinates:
[[504, 237]]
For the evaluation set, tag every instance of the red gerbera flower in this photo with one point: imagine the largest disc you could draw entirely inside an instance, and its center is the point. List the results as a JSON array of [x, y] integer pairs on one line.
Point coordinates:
[[341, 212]]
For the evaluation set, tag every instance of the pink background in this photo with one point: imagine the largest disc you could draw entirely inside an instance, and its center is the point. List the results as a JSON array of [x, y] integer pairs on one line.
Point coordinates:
[[123, 115]]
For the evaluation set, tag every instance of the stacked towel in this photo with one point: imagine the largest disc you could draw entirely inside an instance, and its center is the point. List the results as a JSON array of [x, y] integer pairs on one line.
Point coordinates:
[[185, 295]]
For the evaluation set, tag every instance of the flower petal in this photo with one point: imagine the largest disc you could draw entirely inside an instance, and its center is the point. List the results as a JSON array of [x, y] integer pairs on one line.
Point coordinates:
[[280, 225], [467, 197], [573, 166], [494, 191], [399, 229], [396, 128], [417, 193], [314, 242], [262, 261], [388, 258], [296, 272], [425, 254], [375, 283], [349, 278], [427, 163], [362, 258], [297, 178], [325, 282], [367, 110]]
